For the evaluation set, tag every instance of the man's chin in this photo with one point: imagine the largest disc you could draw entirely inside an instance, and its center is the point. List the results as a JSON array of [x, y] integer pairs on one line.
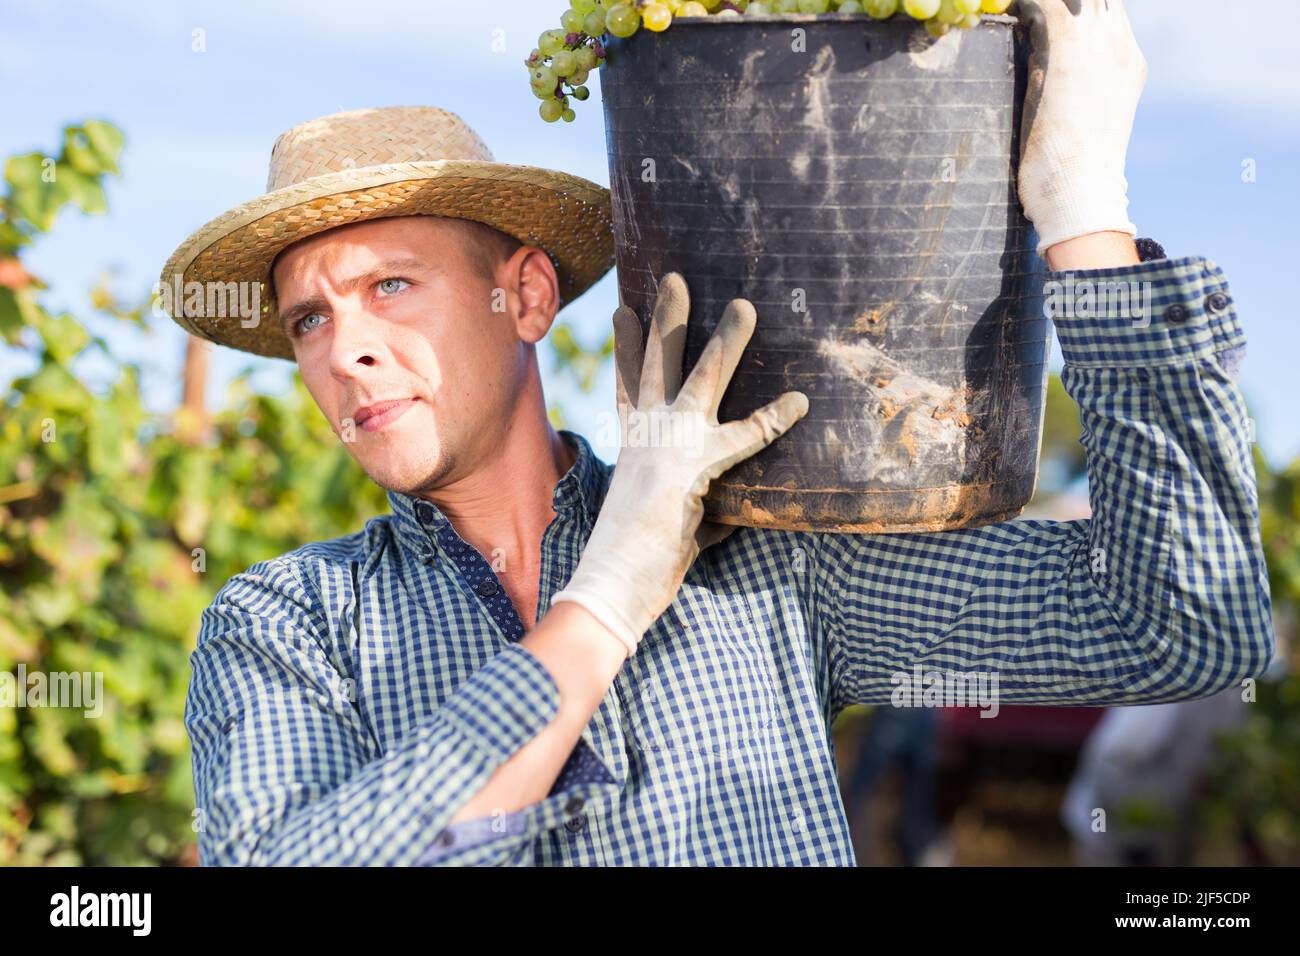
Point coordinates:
[[405, 457], [409, 478]]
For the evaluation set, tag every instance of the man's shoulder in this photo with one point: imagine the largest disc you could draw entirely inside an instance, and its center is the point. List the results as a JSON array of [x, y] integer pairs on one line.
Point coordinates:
[[748, 551], [299, 575]]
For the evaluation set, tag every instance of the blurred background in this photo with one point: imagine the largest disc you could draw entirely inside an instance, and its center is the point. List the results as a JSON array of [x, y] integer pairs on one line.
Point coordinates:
[[139, 470]]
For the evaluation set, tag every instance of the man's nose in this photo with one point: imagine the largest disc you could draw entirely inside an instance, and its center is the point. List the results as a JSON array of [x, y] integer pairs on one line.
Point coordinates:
[[355, 345]]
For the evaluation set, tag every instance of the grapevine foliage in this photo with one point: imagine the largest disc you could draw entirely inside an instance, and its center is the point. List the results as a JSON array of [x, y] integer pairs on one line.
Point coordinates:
[[117, 528]]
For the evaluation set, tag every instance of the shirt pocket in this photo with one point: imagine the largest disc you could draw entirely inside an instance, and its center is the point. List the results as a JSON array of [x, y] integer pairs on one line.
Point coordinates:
[[701, 678]]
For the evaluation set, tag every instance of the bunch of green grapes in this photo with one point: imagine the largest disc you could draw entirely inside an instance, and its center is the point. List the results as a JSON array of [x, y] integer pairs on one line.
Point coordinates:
[[558, 68]]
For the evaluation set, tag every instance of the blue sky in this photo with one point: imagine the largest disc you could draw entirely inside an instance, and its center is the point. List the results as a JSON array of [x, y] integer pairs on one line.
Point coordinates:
[[1222, 89]]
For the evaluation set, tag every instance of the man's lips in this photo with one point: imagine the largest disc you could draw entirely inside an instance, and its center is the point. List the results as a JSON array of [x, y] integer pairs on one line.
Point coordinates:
[[372, 418]]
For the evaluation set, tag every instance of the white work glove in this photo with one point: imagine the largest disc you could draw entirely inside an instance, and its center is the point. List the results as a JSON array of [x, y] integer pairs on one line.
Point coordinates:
[[649, 529], [1085, 79]]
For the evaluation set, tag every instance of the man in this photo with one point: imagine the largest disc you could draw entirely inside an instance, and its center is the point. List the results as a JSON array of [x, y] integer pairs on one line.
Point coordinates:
[[386, 698]]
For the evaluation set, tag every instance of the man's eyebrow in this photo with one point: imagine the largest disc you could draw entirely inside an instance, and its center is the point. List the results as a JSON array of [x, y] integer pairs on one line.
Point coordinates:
[[385, 269]]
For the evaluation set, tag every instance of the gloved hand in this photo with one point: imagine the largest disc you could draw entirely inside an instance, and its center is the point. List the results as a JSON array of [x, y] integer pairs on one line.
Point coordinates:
[[1085, 79], [649, 528]]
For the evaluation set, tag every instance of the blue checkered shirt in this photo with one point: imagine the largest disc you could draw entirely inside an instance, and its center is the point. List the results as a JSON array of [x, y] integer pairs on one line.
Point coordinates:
[[349, 698]]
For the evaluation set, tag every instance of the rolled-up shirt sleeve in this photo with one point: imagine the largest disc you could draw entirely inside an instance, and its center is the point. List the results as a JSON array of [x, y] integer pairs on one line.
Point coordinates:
[[1161, 595], [287, 773]]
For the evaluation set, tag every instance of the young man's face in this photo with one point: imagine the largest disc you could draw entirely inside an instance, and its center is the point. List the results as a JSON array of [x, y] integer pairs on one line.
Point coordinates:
[[394, 331]]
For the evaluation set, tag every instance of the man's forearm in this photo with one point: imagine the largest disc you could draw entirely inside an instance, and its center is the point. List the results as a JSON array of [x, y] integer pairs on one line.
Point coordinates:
[[1098, 250], [583, 658]]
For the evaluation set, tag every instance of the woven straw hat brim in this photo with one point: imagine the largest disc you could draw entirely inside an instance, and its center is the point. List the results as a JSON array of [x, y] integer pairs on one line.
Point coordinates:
[[567, 216]]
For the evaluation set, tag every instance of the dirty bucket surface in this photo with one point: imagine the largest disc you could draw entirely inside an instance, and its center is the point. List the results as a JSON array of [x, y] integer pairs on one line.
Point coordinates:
[[857, 184]]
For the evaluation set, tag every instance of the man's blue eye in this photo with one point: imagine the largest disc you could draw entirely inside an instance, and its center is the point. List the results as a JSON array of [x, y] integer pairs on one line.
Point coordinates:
[[309, 322], [389, 286]]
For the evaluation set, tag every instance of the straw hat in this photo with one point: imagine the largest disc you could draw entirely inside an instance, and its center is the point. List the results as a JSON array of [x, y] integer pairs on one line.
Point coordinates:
[[368, 164]]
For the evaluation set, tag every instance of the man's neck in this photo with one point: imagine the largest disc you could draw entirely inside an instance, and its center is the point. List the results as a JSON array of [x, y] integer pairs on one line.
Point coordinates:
[[503, 508]]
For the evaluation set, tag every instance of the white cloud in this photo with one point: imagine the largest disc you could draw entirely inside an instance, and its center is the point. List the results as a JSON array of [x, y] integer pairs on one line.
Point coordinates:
[[1222, 55]]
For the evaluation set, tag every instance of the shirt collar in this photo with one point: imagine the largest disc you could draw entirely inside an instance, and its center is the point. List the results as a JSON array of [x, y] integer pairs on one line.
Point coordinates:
[[582, 487], [579, 493]]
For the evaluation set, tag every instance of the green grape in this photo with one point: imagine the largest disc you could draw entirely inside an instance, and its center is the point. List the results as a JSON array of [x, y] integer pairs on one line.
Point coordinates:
[[622, 20], [564, 63], [570, 68], [544, 78], [949, 13], [656, 16], [550, 42]]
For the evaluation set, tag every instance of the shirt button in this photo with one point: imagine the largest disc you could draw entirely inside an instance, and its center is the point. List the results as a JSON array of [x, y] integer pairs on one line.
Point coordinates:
[[445, 839], [576, 824], [424, 512], [574, 806], [229, 725], [1218, 302], [487, 588], [1176, 313]]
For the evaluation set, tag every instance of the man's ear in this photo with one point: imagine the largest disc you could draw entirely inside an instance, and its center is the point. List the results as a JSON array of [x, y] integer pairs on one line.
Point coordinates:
[[533, 279]]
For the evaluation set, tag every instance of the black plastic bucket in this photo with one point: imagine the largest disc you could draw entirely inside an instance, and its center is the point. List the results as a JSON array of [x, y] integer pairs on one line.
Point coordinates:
[[861, 193]]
